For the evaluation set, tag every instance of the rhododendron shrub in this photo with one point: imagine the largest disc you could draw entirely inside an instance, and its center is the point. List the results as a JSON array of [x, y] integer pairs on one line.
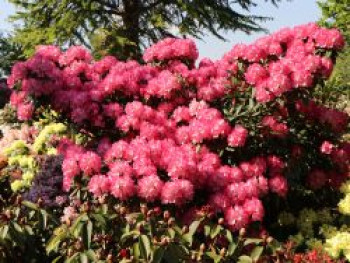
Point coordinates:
[[175, 131]]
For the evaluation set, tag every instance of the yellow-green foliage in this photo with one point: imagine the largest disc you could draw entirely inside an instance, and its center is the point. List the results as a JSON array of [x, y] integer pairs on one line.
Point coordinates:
[[309, 223], [338, 245], [40, 144], [16, 148], [28, 166], [344, 204]]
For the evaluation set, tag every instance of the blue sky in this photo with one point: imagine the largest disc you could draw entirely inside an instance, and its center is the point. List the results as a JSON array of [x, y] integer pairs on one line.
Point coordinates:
[[288, 13]]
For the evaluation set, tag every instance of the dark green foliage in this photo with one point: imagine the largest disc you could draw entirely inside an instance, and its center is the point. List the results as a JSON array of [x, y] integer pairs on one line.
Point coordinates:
[[123, 27], [10, 52]]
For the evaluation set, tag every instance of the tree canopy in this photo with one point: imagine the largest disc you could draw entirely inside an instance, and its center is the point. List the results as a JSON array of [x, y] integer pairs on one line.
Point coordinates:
[[9, 53], [336, 13], [124, 27]]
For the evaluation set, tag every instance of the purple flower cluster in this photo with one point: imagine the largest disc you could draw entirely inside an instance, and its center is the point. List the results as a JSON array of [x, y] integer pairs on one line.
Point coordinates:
[[47, 184]]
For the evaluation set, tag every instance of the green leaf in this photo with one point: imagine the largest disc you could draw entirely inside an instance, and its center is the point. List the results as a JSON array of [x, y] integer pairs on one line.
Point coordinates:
[[145, 246], [231, 249], [4, 231], [78, 224], [207, 230], [256, 253], [194, 226], [171, 233], [251, 104], [255, 241], [91, 255], [99, 219], [84, 258], [30, 205], [128, 235], [29, 230], [56, 260], [175, 254], [217, 258], [215, 231], [192, 229], [87, 233], [72, 258], [229, 236], [44, 217], [136, 251], [17, 227], [158, 255], [55, 241], [245, 259]]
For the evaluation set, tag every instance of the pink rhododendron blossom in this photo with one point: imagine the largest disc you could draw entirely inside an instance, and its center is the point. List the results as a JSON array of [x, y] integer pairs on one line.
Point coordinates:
[[236, 217], [99, 185], [238, 136], [150, 187], [168, 129], [122, 187], [278, 184], [254, 208], [177, 192], [25, 111], [90, 163], [171, 48], [255, 74], [327, 147]]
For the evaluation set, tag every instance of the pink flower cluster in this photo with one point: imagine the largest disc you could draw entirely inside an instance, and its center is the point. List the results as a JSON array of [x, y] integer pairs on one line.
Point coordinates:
[[274, 126], [172, 49], [88, 92], [164, 170], [286, 59], [336, 120], [340, 158]]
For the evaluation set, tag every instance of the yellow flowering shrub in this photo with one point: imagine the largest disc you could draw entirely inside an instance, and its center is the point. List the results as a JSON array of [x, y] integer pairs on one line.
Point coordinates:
[[338, 245], [21, 155], [344, 204]]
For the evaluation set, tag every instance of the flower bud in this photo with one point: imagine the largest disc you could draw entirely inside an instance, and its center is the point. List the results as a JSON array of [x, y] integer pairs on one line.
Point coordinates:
[[166, 215], [144, 209], [269, 240], [223, 252], [242, 232], [70, 252], [164, 241], [123, 210], [171, 222], [184, 229]]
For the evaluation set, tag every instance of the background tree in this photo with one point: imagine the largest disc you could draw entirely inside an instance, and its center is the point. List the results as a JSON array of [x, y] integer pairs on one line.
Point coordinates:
[[9, 53], [336, 13], [123, 27]]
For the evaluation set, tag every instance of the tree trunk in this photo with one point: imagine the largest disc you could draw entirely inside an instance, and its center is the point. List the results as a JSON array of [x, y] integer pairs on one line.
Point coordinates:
[[131, 24]]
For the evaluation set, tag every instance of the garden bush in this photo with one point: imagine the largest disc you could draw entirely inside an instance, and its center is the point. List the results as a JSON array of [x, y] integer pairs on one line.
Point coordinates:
[[170, 159]]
